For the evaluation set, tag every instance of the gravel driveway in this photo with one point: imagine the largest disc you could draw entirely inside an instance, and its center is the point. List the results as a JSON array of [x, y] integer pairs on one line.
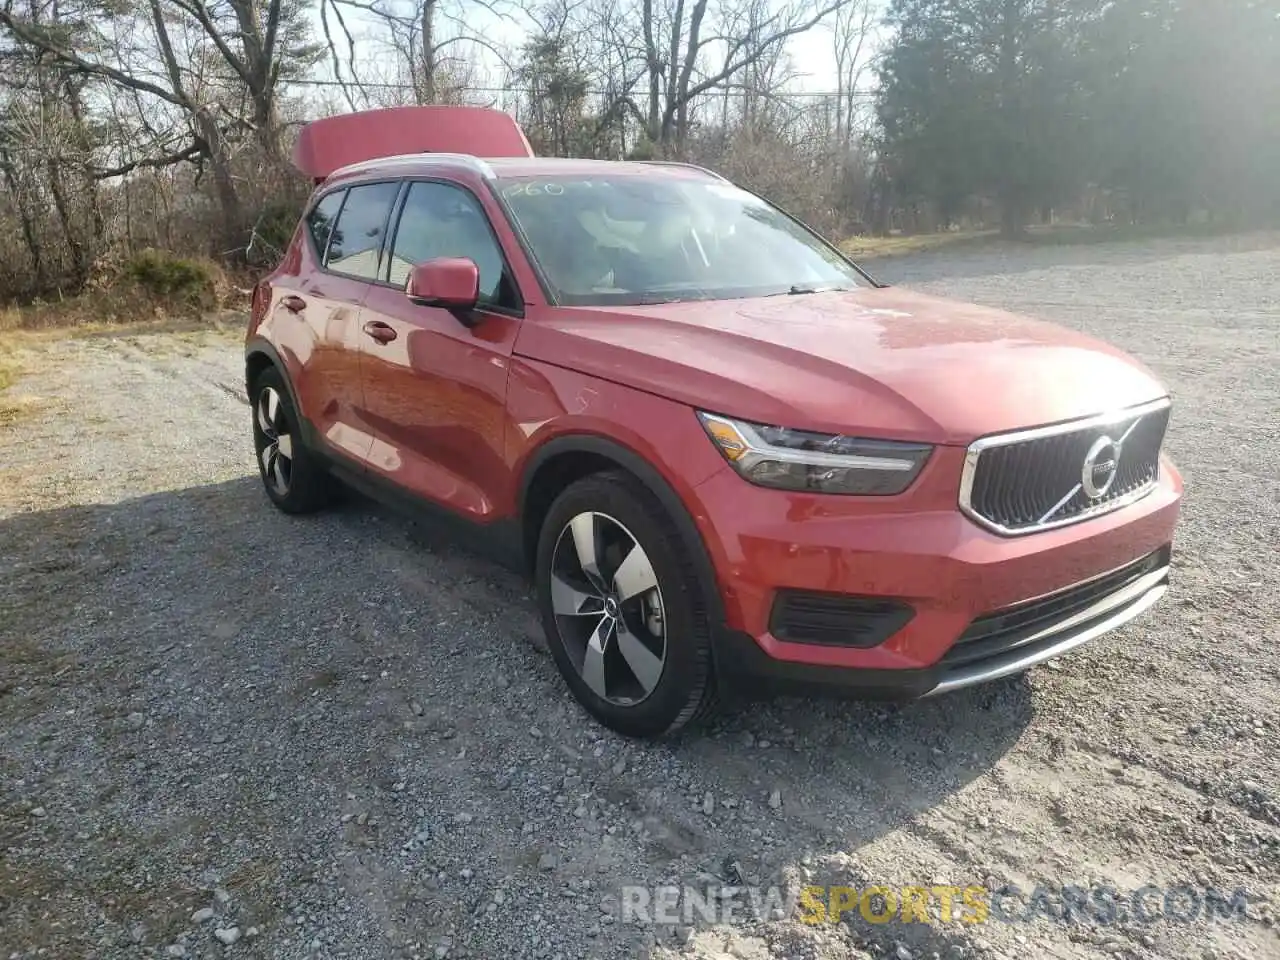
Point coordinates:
[[229, 733]]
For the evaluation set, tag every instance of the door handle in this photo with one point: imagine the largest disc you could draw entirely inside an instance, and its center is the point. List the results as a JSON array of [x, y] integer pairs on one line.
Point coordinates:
[[294, 303], [382, 332]]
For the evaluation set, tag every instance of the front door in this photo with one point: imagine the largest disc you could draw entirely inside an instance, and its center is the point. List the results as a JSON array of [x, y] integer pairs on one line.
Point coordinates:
[[434, 388]]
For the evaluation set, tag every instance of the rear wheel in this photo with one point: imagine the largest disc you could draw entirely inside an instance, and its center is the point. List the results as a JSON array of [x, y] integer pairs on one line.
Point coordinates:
[[622, 608], [294, 479]]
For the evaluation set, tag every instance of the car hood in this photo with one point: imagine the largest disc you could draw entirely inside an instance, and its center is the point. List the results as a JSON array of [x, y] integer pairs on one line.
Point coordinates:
[[880, 362]]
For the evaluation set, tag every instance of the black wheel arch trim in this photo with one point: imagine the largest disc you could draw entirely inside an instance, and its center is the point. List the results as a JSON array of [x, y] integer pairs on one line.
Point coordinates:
[[656, 484], [259, 347]]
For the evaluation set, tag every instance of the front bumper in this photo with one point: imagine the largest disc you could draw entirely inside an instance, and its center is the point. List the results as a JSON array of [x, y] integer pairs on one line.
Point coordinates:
[[1050, 591], [1010, 641]]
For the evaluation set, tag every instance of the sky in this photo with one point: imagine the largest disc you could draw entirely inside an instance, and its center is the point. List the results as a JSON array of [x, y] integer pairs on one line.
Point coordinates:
[[811, 52]]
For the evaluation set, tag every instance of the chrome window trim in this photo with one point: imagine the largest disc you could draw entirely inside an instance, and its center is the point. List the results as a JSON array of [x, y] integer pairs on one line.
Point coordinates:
[[974, 453], [401, 160], [687, 166]]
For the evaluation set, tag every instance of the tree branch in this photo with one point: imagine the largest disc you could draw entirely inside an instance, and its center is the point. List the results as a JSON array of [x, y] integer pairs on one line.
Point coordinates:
[[201, 13], [37, 39], [479, 41], [333, 49], [269, 63], [197, 149], [760, 49]]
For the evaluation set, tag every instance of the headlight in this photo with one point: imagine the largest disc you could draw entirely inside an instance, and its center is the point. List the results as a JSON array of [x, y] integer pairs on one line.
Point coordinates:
[[817, 462]]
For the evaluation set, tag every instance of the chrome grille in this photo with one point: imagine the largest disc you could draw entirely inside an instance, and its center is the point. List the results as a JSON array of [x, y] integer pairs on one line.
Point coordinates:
[[1051, 476]]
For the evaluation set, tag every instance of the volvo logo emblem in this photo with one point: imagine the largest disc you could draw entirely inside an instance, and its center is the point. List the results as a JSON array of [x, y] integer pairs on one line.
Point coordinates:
[[1101, 464]]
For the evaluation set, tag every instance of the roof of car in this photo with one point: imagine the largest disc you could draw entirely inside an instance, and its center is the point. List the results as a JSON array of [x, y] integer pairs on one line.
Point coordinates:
[[420, 163]]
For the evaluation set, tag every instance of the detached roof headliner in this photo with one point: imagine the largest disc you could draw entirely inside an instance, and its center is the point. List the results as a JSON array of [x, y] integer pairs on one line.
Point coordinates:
[[326, 146]]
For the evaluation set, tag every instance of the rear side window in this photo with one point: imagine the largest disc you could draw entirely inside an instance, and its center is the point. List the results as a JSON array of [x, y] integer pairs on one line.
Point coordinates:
[[320, 220], [440, 220], [357, 236]]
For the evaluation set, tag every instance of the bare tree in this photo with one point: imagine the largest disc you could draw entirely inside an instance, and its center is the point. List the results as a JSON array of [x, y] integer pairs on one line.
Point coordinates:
[[431, 43], [851, 29], [46, 161], [213, 67], [680, 39]]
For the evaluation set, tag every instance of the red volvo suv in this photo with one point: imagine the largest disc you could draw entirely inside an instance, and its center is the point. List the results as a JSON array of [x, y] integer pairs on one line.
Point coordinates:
[[723, 452]]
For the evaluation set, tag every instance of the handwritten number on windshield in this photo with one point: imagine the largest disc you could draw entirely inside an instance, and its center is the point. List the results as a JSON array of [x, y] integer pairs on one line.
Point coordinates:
[[533, 190]]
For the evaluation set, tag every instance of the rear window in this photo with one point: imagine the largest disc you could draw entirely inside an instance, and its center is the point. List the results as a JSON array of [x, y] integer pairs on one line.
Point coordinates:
[[320, 220], [635, 238], [356, 238]]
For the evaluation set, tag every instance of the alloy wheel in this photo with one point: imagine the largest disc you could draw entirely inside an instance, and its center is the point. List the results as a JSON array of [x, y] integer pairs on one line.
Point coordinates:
[[608, 608], [276, 455]]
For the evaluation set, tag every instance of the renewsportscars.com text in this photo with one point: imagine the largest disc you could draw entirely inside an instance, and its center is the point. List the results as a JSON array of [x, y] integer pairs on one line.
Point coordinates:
[[933, 903]]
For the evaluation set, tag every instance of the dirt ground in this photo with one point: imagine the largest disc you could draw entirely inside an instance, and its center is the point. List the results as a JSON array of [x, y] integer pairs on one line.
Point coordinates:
[[226, 732]]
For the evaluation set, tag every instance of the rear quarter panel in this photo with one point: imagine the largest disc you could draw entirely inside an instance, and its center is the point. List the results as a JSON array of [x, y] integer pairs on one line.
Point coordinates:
[[318, 348]]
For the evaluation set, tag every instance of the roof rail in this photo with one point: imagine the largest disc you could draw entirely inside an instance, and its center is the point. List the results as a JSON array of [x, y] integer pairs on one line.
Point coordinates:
[[406, 159], [687, 166]]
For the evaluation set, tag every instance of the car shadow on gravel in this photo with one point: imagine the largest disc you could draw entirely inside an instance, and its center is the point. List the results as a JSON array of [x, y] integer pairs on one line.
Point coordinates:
[[145, 645], [842, 776]]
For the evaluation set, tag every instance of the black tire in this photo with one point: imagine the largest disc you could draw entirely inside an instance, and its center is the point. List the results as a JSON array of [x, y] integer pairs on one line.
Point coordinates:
[[686, 690], [308, 485]]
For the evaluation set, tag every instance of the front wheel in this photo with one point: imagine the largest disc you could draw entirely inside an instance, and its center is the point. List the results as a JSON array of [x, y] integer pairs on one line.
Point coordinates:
[[622, 608]]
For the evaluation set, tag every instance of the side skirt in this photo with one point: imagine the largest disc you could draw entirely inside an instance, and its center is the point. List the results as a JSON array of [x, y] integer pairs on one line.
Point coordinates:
[[499, 541]]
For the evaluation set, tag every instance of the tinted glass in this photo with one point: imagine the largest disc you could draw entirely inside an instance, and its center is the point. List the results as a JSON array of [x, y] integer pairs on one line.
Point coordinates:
[[645, 238], [444, 221], [357, 236], [320, 220]]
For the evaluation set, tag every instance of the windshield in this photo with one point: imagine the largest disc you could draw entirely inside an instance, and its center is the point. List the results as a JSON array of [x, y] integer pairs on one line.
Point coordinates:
[[633, 239]]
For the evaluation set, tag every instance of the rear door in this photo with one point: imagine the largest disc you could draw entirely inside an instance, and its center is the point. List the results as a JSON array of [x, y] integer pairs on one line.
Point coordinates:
[[434, 388], [348, 235]]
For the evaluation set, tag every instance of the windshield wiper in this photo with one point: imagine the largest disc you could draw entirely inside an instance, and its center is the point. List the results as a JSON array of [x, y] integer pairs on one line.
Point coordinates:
[[797, 288], [652, 299]]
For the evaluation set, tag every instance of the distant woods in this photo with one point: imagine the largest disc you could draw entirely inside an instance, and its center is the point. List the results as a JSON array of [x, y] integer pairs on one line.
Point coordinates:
[[133, 124], [1137, 110]]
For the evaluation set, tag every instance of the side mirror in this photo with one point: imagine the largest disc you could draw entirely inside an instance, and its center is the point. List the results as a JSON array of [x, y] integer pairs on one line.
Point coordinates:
[[452, 283]]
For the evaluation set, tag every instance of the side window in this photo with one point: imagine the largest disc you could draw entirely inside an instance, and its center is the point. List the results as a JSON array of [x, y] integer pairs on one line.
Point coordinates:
[[357, 236], [440, 220], [320, 220]]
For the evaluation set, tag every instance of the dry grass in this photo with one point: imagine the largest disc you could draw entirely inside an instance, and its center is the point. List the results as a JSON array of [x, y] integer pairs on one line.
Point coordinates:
[[150, 287], [174, 329], [9, 367], [113, 310], [14, 409], [899, 245], [1056, 235], [14, 340], [27, 335], [13, 364]]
